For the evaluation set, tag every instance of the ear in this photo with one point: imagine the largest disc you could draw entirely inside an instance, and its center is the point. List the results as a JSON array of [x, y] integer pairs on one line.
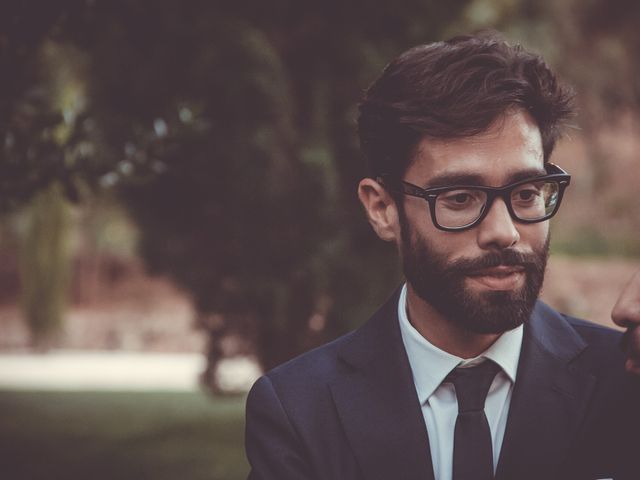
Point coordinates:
[[381, 209]]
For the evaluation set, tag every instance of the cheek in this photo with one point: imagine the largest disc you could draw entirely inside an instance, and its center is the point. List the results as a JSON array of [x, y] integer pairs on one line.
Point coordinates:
[[534, 235], [415, 222], [416, 212], [450, 246]]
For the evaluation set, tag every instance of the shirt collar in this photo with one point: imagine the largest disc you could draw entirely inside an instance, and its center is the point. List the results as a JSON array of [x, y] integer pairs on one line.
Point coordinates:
[[430, 365]]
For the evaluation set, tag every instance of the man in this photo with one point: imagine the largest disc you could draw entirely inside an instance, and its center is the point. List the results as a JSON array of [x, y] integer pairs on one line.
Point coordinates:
[[462, 374]]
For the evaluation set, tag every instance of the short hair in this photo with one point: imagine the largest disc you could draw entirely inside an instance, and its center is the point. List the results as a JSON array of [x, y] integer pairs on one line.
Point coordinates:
[[456, 89]]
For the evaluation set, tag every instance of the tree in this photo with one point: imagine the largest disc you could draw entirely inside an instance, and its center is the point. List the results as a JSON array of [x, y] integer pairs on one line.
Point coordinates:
[[44, 152], [45, 139]]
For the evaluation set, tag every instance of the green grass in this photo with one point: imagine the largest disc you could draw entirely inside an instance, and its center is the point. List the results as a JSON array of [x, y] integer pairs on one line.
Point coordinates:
[[120, 436]]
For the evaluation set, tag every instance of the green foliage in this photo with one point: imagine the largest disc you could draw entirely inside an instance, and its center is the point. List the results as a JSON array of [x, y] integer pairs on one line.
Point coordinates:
[[80, 435], [43, 138], [45, 264]]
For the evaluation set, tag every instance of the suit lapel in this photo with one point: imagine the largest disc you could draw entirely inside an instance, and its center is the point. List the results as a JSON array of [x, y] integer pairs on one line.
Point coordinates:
[[549, 399], [378, 405]]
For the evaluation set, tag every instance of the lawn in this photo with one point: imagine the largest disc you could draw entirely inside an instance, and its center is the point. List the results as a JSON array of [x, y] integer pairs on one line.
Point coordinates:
[[120, 435]]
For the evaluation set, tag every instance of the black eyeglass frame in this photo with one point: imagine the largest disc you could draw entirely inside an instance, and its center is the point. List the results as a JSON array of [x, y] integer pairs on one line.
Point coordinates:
[[554, 173]]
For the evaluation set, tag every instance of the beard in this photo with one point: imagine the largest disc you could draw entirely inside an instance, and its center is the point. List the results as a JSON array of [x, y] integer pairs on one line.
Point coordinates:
[[441, 283]]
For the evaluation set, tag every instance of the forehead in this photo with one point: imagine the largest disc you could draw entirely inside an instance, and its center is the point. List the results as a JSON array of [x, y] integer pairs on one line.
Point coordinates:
[[509, 150]]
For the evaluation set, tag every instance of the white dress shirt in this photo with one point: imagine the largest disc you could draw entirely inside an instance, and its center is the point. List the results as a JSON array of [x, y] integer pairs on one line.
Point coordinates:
[[430, 365]]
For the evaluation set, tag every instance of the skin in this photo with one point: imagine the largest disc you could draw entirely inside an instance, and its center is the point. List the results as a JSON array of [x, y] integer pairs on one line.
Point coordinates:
[[626, 313], [511, 147]]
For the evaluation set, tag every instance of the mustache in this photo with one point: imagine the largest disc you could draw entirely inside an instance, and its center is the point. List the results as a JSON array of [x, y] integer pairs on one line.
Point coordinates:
[[506, 257]]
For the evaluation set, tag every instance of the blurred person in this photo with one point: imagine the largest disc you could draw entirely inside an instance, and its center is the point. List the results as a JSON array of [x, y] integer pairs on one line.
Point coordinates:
[[626, 313], [463, 373]]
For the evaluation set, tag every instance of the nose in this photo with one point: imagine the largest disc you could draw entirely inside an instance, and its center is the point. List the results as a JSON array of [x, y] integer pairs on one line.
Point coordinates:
[[497, 231]]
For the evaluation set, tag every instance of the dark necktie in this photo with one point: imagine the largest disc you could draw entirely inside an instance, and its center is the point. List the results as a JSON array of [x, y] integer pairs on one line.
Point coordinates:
[[472, 451]]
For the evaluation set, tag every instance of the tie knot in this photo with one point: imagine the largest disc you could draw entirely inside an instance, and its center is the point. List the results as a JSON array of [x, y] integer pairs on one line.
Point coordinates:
[[472, 385]]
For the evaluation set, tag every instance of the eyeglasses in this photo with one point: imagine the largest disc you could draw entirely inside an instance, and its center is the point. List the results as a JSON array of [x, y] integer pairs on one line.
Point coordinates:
[[461, 207]]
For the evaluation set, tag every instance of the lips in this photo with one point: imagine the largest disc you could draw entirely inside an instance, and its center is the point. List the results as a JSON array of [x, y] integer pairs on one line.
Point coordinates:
[[502, 277]]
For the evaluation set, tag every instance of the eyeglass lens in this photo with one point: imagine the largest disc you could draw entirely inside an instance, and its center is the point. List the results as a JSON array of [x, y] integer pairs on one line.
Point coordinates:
[[530, 201]]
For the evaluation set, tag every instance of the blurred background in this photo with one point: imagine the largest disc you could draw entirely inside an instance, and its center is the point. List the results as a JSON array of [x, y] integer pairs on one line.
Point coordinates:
[[178, 208]]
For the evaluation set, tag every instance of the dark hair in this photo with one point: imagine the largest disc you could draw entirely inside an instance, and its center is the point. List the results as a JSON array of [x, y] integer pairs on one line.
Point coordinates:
[[456, 89]]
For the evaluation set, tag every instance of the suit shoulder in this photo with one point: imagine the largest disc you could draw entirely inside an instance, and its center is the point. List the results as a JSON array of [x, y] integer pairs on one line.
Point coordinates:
[[313, 366]]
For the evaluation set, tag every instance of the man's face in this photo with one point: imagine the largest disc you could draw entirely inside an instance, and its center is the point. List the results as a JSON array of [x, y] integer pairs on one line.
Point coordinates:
[[485, 279]]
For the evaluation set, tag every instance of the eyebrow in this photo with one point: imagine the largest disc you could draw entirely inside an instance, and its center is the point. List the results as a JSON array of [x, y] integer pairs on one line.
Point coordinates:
[[469, 179]]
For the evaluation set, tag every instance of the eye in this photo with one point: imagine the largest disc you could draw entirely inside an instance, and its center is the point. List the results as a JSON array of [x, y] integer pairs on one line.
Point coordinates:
[[527, 194], [459, 199]]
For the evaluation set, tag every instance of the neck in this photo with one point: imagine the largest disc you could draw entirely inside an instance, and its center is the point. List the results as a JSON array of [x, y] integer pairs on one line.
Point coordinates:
[[444, 333]]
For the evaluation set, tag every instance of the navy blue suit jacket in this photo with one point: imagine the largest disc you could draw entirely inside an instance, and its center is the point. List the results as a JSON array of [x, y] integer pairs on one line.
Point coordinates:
[[349, 409]]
